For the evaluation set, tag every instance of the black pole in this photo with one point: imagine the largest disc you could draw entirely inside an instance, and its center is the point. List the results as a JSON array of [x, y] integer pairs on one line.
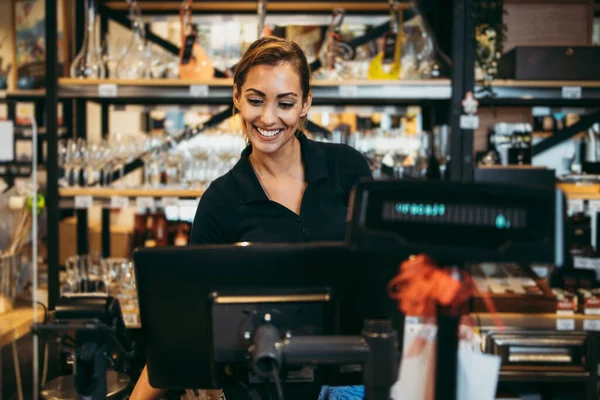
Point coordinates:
[[52, 161], [469, 82], [458, 66], [105, 232]]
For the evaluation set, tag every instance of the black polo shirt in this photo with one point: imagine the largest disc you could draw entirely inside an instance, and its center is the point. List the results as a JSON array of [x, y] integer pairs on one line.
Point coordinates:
[[235, 207]]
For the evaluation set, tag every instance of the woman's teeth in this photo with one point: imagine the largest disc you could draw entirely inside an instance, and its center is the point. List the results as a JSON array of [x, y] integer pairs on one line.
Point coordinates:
[[268, 133]]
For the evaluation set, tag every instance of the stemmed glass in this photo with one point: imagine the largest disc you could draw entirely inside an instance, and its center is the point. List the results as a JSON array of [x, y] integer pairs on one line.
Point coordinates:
[[120, 153], [64, 164], [75, 158]]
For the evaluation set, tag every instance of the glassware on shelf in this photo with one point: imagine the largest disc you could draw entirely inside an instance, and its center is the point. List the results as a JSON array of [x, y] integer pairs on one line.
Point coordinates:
[[63, 164], [113, 52], [332, 53], [422, 57], [136, 62], [88, 63]]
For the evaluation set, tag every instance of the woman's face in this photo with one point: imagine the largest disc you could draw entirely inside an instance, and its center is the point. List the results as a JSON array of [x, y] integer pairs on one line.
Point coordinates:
[[270, 105]]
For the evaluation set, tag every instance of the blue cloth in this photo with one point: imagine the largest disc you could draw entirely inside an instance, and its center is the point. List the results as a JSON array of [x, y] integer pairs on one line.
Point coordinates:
[[342, 393]]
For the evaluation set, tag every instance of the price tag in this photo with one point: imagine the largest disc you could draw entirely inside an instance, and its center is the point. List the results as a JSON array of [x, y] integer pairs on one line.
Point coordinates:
[[107, 90], [565, 324], [594, 206], [469, 122], [131, 320], [571, 92], [591, 324], [348, 91], [83, 202], [144, 202], [575, 206], [170, 201], [199, 90], [119, 202]]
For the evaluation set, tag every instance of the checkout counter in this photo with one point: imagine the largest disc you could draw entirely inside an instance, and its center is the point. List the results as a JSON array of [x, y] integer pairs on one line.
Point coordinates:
[[312, 294]]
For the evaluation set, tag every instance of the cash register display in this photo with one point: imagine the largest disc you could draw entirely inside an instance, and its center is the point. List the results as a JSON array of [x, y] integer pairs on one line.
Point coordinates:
[[452, 219]]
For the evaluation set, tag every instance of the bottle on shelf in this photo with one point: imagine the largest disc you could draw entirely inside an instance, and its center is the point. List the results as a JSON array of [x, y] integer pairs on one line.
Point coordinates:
[[387, 63], [149, 236], [182, 237], [162, 238]]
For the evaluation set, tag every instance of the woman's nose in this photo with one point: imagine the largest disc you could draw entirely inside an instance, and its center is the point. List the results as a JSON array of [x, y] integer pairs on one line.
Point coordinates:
[[268, 116]]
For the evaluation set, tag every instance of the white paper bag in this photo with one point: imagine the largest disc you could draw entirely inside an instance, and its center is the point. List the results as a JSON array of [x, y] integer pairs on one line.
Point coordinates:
[[477, 373]]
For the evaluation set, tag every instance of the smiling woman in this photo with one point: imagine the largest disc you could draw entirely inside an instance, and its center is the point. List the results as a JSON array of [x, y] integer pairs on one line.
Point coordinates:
[[285, 188]]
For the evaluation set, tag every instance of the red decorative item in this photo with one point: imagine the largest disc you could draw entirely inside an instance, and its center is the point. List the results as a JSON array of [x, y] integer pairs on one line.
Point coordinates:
[[421, 286]]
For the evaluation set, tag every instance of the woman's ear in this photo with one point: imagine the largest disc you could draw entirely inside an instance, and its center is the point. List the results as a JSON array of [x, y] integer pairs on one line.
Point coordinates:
[[306, 105], [236, 97]]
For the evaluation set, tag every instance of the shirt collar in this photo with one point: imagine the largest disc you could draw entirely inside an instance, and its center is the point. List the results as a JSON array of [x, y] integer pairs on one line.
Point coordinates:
[[250, 189]]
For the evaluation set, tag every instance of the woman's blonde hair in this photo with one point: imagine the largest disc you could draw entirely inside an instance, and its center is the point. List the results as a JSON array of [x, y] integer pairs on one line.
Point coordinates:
[[273, 51]]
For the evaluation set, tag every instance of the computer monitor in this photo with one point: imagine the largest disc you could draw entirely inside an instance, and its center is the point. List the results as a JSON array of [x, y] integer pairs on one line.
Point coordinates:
[[458, 222], [198, 305]]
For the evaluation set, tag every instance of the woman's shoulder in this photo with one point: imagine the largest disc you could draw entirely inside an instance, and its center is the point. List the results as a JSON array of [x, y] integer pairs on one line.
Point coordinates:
[[219, 191]]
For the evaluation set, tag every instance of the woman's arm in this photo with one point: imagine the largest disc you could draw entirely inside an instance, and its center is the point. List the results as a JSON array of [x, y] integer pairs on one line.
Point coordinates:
[[143, 390]]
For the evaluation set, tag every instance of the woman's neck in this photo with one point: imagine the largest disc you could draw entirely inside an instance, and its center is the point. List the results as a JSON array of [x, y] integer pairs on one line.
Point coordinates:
[[285, 162]]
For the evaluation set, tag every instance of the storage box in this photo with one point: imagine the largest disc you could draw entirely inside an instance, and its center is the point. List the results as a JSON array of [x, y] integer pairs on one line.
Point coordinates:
[[551, 63]]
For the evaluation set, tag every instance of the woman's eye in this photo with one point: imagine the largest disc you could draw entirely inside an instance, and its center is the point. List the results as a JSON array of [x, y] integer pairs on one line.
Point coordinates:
[[254, 102], [286, 105]]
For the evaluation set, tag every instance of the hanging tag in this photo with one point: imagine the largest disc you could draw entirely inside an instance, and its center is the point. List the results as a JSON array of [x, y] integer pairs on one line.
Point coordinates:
[[469, 122], [83, 202], [565, 324], [118, 202], [170, 201], [572, 92], [591, 324], [144, 202], [594, 206], [107, 90], [187, 48], [575, 206], [348, 91], [199, 90]]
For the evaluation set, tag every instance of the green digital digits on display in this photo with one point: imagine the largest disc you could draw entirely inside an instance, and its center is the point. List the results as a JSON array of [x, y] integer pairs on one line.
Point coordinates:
[[429, 210], [501, 222]]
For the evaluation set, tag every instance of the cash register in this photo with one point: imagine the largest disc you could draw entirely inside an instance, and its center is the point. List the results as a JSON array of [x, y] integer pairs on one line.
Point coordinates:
[[244, 314]]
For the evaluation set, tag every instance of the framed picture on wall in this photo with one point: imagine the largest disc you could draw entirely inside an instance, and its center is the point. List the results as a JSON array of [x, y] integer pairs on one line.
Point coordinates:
[[30, 42]]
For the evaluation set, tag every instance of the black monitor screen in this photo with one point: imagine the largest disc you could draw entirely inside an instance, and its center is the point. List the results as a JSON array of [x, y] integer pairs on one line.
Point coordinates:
[[492, 220]]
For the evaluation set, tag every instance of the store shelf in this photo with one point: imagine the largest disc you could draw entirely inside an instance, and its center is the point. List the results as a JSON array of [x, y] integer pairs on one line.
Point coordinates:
[[17, 323], [124, 198], [24, 95], [109, 192], [583, 191], [514, 93], [246, 6], [219, 91]]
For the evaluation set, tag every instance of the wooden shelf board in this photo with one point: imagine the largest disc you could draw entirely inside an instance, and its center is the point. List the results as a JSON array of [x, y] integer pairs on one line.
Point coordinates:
[[250, 6], [544, 84], [110, 192], [17, 323], [589, 191], [28, 92], [145, 82], [229, 82]]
